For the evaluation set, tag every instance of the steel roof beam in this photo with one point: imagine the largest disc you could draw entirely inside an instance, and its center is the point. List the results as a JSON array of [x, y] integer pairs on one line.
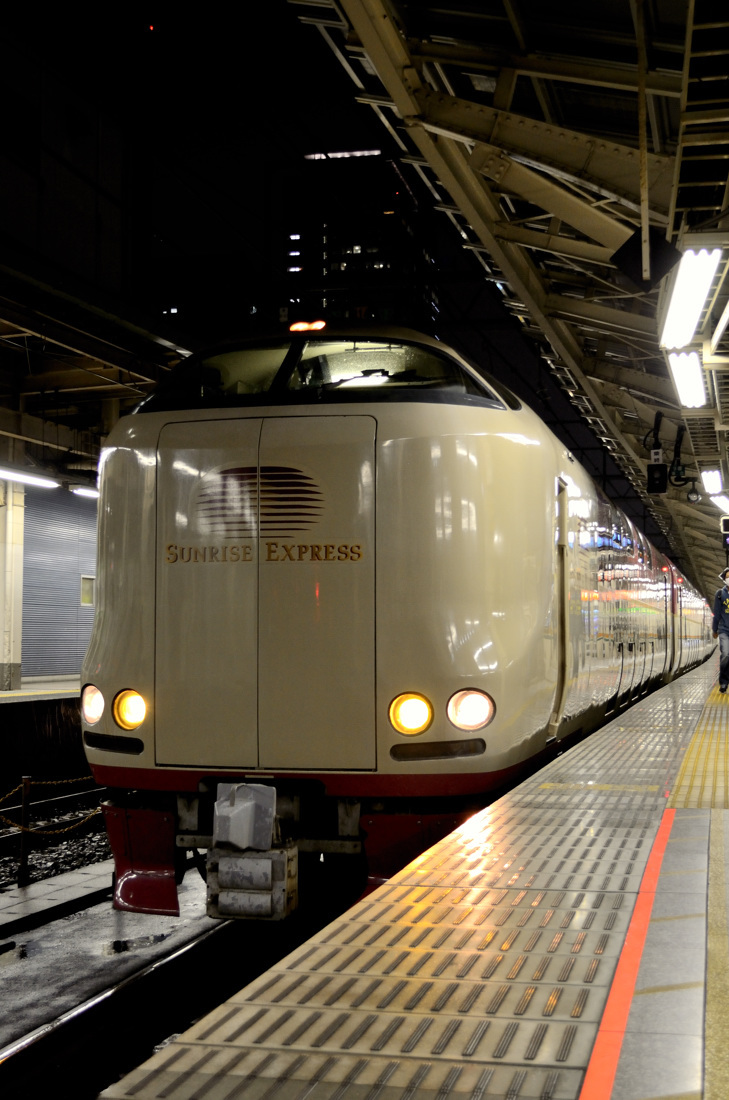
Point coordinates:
[[449, 160], [614, 168], [547, 68]]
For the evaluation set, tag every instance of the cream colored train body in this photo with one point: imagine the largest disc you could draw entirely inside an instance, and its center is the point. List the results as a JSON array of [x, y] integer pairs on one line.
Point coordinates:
[[298, 534]]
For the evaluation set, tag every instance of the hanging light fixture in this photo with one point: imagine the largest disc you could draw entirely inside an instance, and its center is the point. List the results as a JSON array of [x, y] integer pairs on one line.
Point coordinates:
[[688, 377], [690, 289], [26, 477], [712, 481]]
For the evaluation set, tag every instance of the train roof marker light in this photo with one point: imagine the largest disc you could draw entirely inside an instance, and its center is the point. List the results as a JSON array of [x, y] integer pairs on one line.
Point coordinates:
[[688, 378], [307, 326]]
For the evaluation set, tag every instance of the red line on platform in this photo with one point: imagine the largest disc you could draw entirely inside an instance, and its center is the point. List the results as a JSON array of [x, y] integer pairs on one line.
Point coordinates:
[[603, 1065]]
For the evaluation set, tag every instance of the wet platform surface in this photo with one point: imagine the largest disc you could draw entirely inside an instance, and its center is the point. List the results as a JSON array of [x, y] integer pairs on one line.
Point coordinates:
[[569, 941]]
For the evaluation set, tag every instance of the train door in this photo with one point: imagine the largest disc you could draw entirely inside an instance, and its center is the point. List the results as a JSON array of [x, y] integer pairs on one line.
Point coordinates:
[[316, 703], [643, 664], [629, 650], [207, 593], [678, 624], [561, 608], [627, 643], [265, 583], [667, 623]]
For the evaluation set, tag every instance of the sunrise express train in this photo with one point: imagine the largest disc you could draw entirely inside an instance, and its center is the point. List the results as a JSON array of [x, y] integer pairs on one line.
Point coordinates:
[[350, 568]]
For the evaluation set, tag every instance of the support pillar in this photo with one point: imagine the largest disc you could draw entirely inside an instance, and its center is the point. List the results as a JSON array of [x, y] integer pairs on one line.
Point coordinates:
[[12, 516]]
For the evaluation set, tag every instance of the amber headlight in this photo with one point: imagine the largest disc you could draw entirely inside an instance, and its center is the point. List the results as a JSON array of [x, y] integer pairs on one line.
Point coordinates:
[[411, 713], [470, 709], [92, 704], [129, 709]]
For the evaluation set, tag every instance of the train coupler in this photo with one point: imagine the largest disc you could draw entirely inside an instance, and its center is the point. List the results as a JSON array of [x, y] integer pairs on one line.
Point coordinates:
[[247, 876]]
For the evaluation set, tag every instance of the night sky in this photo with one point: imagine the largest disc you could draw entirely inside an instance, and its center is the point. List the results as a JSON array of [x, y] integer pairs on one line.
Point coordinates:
[[218, 106]]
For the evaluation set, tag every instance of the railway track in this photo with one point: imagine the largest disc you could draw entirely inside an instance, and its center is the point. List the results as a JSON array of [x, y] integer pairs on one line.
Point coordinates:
[[90, 1020], [91, 1044]]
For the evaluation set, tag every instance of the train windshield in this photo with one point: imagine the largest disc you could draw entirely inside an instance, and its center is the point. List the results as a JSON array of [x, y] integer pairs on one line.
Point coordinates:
[[326, 369]]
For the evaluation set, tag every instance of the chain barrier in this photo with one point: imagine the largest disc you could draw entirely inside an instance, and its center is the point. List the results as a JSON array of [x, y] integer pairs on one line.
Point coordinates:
[[24, 829], [11, 793], [48, 783]]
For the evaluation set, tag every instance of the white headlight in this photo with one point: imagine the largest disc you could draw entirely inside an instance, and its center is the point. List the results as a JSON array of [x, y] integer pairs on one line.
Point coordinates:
[[92, 704], [470, 709]]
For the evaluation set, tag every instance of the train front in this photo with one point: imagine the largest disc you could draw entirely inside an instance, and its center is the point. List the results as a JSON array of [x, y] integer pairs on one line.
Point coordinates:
[[303, 636]]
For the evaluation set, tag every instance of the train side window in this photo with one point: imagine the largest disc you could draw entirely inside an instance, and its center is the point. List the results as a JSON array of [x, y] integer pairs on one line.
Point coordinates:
[[88, 591]]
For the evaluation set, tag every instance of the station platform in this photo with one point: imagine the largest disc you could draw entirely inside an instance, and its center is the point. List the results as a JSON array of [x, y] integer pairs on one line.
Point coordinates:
[[33, 689], [51, 898], [570, 940]]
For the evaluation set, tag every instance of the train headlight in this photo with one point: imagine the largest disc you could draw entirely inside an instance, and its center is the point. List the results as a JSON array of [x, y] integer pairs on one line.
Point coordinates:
[[92, 704], [129, 709], [411, 713], [470, 709]]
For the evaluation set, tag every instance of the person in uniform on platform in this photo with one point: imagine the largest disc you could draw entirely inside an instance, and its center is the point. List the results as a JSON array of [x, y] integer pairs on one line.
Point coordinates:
[[720, 627]]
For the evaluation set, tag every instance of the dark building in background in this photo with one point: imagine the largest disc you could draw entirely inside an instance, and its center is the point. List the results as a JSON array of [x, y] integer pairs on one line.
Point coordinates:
[[353, 247]]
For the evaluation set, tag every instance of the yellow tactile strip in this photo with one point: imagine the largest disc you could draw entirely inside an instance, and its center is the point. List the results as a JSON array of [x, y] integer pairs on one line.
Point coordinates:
[[703, 780]]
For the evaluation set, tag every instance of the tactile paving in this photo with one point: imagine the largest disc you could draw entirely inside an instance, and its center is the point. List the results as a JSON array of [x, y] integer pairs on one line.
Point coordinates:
[[482, 968]]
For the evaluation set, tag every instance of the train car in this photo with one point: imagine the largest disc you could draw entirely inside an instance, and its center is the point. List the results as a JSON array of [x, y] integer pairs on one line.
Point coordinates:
[[347, 585]]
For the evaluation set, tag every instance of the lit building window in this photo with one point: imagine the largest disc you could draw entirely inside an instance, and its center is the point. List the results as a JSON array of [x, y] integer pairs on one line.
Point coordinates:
[[293, 269]]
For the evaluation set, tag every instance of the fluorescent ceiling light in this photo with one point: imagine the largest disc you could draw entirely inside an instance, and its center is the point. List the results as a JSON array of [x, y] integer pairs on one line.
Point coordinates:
[[82, 491], [722, 503], [690, 289], [712, 481], [26, 478], [343, 155], [688, 377]]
